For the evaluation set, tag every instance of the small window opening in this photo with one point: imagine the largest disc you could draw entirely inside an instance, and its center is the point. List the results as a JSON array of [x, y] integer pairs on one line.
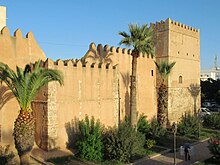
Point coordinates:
[[180, 79], [152, 73], [107, 66], [100, 65]]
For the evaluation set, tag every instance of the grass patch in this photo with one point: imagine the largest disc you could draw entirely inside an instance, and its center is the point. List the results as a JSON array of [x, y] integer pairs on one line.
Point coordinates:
[[167, 140], [207, 132]]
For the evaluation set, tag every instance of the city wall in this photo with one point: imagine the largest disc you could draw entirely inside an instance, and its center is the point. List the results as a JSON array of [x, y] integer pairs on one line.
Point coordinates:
[[97, 85]]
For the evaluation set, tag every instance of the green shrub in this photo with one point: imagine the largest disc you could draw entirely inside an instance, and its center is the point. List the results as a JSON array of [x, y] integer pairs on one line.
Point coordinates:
[[150, 143], [188, 125], [123, 143], [212, 120], [142, 125], [214, 146], [156, 130], [6, 155], [90, 146]]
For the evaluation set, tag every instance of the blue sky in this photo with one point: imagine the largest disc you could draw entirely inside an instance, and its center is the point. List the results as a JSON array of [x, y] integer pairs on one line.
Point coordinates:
[[64, 29]]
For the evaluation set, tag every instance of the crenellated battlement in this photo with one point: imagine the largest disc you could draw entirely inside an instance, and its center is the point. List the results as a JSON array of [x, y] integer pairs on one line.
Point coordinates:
[[179, 24], [159, 25], [162, 25], [5, 32], [75, 64], [107, 49], [18, 48]]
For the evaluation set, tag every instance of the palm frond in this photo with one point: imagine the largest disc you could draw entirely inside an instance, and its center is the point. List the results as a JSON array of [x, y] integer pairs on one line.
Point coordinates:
[[26, 83], [164, 68], [140, 38]]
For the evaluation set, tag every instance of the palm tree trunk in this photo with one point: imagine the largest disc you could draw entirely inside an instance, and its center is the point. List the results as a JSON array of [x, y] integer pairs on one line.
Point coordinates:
[[24, 128], [25, 159], [133, 97], [162, 105]]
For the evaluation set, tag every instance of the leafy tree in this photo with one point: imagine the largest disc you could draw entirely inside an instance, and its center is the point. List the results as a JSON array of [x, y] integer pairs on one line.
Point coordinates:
[[210, 90], [140, 38], [164, 69], [25, 84]]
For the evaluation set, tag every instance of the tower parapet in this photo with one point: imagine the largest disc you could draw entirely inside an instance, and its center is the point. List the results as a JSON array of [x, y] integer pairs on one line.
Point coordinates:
[[169, 24]]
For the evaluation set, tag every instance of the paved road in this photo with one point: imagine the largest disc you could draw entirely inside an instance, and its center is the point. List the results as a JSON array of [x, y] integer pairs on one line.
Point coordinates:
[[201, 152]]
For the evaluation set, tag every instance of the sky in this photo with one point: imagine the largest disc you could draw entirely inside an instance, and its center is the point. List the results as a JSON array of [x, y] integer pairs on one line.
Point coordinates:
[[65, 28]]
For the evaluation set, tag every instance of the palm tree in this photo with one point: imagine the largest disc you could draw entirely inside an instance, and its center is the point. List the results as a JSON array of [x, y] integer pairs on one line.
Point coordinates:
[[164, 69], [25, 84], [140, 38]]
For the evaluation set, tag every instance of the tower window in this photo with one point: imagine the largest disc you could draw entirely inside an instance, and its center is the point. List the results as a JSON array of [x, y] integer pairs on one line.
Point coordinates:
[[187, 54], [178, 52], [152, 73], [180, 79]]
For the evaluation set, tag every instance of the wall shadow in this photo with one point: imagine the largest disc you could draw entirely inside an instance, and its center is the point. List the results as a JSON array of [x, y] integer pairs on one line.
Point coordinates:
[[126, 82], [72, 130], [5, 95], [194, 90], [99, 56]]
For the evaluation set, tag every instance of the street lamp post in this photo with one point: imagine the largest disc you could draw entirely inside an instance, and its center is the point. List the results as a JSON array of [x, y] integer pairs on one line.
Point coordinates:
[[174, 129]]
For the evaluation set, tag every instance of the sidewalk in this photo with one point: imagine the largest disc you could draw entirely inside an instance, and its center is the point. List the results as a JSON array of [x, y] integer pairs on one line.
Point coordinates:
[[201, 152]]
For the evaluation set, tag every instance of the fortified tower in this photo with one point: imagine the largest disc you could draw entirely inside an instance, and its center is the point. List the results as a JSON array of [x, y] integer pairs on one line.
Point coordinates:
[[2, 17], [180, 43]]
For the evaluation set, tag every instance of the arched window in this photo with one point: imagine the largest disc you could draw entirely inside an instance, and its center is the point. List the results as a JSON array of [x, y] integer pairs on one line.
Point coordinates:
[[180, 79]]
